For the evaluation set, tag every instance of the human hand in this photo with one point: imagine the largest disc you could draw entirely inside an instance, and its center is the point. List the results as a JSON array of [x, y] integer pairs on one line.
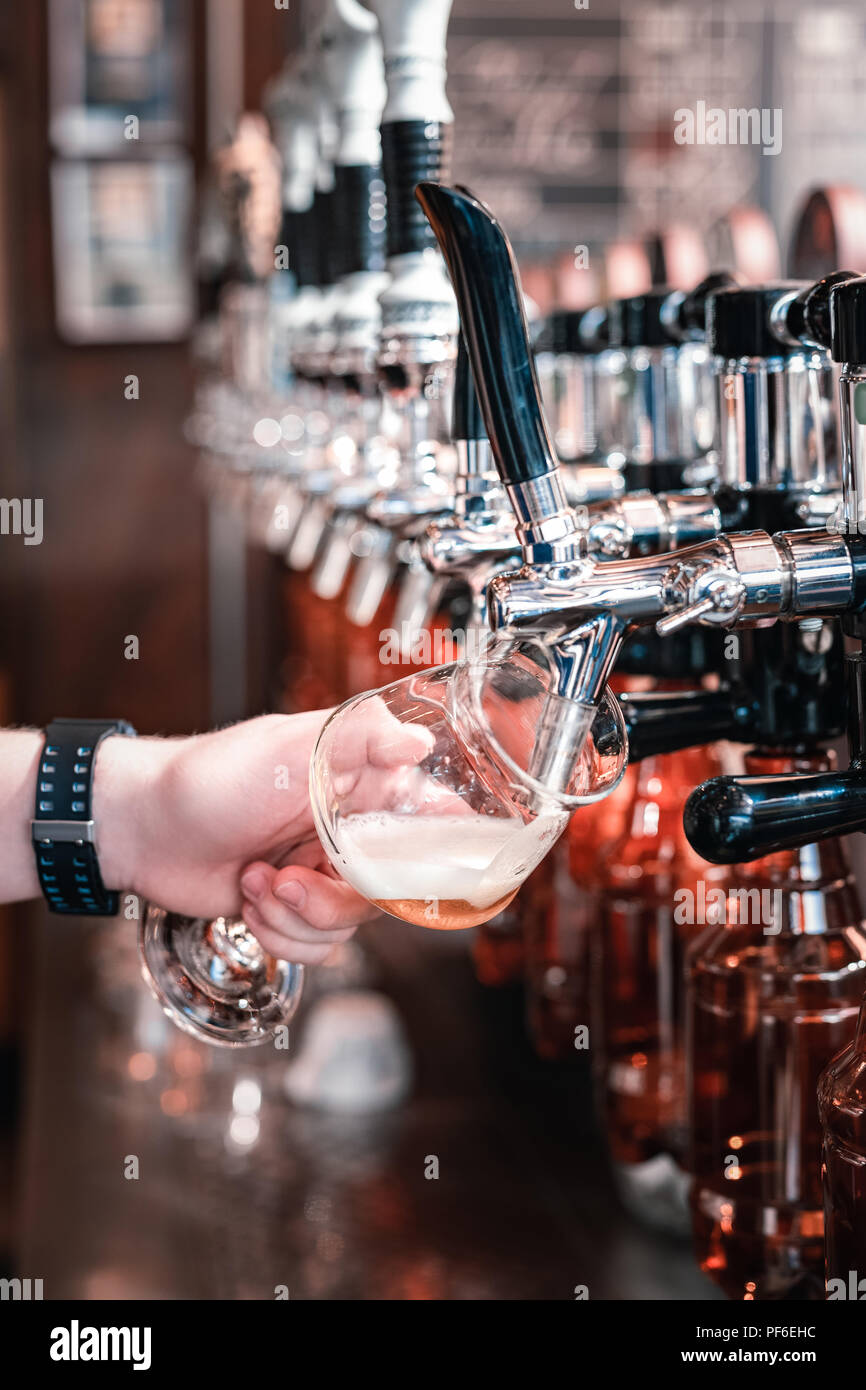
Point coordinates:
[[222, 825]]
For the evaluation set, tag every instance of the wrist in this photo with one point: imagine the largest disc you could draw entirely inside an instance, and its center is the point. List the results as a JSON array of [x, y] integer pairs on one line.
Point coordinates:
[[22, 750], [125, 807]]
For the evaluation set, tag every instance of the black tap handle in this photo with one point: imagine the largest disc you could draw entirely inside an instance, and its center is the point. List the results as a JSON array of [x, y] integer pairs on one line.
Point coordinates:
[[487, 286], [731, 820], [358, 230], [412, 152], [325, 202], [685, 315], [666, 721], [467, 421], [808, 316]]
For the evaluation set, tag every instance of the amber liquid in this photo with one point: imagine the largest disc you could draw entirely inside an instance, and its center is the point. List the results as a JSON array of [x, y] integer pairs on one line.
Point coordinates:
[[559, 925], [314, 628], [561, 915], [767, 1010], [842, 1108], [444, 914], [639, 953]]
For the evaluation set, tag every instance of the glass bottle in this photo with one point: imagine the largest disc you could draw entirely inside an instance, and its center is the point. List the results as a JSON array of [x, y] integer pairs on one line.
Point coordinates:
[[559, 913], [842, 1108], [773, 990], [559, 921], [637, 1026]]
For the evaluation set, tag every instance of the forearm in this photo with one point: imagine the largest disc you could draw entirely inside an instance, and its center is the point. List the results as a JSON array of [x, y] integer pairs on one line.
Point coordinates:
[[124, 806]]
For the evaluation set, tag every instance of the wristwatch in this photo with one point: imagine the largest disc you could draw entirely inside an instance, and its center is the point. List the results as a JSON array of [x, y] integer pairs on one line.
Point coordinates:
[[62, 828]]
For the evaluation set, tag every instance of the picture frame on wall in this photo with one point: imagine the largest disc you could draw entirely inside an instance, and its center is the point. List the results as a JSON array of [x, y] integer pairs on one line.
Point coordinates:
[[118, 74], [122, 263]]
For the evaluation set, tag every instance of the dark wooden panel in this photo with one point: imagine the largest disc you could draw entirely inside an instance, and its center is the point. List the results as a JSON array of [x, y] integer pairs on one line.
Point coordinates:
[[123, 550], [269, 34]]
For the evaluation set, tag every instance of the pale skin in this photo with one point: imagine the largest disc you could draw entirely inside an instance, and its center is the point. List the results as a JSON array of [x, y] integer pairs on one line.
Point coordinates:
[[213, 825]]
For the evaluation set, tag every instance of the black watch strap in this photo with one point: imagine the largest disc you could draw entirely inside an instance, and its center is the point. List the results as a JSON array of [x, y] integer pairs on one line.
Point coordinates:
[[62, 826]]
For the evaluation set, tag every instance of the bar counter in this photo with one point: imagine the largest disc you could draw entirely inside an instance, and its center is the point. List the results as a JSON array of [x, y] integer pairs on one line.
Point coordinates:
[[241, 1194]]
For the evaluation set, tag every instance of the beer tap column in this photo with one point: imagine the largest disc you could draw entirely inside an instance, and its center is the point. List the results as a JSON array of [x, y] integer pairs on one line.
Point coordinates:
[[248, 175], [774, 459], [293, 300], [478, 538], [418, 319], [568, 354], [286, 104], [744, 817], [352, 60]]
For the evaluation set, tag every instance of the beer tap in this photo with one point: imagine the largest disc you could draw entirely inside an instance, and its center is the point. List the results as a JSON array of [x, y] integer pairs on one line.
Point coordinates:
[[250, 177], [248, 174], [778, 466], [749, 816], [352, 59], [656, 413], [774, 417], [570, 354], [294, 298], [582, 608], [478, 537], [419, 320], [286, 104], [307, 426]]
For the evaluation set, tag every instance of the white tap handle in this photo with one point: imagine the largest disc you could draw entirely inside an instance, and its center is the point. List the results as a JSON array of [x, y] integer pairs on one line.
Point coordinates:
[[355, 78], [413, 37], [287, 103]]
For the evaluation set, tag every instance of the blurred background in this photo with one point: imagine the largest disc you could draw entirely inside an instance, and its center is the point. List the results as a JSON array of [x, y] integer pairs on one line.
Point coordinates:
[[109, 113]]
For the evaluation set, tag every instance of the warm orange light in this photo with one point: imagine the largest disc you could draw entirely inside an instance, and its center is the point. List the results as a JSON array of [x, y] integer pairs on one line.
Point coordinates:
[[141, 1066], [172, 1102], [188, 1060]]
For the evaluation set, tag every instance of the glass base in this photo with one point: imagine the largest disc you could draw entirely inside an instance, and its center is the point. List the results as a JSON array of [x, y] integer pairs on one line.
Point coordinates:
[[214, 980]]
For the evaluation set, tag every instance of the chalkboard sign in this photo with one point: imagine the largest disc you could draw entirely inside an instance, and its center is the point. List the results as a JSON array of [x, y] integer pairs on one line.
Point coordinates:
[[580, 125]]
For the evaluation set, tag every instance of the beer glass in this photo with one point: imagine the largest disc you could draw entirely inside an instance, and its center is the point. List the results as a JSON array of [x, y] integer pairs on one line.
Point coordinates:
[[436, 796]]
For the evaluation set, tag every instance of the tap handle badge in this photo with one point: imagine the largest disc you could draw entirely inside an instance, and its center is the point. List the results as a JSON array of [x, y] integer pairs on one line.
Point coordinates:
[[492, 316]]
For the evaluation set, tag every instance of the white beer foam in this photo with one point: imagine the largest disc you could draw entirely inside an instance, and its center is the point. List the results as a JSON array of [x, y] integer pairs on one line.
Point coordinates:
[[478, 859]]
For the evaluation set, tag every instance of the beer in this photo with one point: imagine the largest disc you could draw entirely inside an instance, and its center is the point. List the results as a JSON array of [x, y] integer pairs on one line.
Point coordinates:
[[445, 872], [842, 1104], [772, 993], [638, 954]]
